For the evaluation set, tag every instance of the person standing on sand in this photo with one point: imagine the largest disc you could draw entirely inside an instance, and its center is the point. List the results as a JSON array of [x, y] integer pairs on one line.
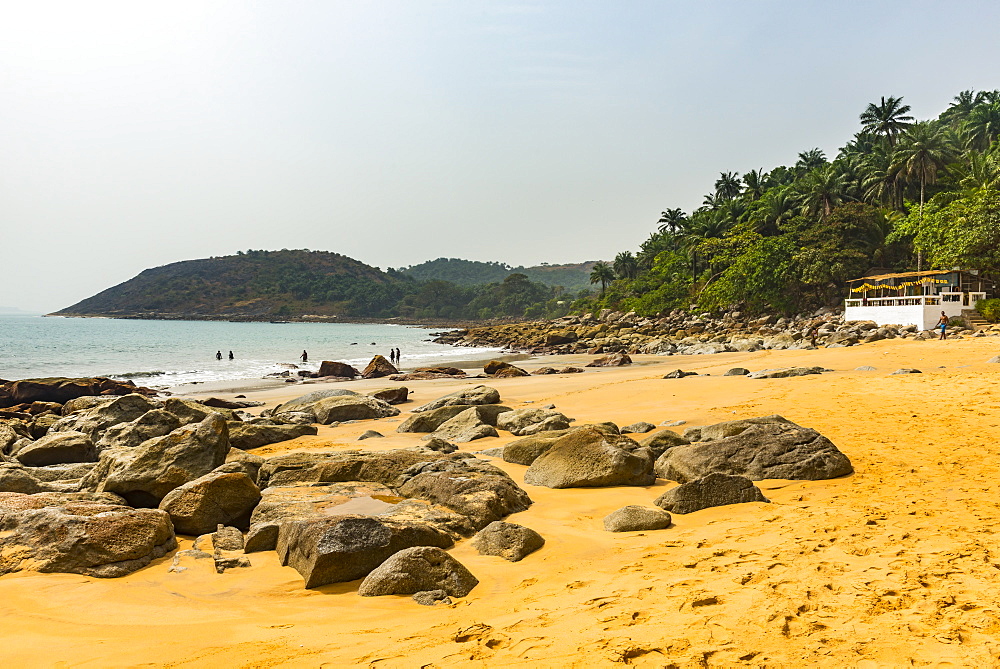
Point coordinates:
[[943, 324], [304, 357], [218, 355]]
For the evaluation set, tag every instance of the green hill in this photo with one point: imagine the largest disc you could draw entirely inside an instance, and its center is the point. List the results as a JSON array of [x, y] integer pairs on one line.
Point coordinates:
[[572, 277], [253, 285]]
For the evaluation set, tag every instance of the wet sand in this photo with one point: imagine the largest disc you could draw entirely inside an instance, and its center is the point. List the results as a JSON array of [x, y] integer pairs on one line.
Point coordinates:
[[896, 565]]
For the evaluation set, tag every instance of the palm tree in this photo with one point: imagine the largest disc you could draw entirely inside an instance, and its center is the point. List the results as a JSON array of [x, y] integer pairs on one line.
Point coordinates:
[[980, 170], [753, 184], [671, 220], [727, 186], [626, 266], [887, 119], [777, 207], [983, 125], [603, 274], [926, 149], [881, 182], [822, 190], [810, 160], [963, 103]]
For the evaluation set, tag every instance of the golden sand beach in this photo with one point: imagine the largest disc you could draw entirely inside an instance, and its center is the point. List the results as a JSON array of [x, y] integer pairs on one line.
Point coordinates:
[[896, 565]]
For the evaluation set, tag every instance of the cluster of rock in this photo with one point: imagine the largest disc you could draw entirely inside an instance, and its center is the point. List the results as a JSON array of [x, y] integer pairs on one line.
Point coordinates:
[[680, 333], [102, 487]]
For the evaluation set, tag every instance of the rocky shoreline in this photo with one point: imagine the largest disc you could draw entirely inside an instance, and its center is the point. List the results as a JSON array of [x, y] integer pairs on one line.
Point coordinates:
[[682, 333]]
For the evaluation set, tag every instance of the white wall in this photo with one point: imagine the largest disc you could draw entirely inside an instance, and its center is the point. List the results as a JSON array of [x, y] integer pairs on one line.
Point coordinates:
[[924, 316]]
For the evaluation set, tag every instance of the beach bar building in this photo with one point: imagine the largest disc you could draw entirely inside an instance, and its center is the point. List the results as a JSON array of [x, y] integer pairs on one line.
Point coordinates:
[[914, 298]]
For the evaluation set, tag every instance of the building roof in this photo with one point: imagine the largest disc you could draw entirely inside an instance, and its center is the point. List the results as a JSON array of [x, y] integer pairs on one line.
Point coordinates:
[[907, 275]]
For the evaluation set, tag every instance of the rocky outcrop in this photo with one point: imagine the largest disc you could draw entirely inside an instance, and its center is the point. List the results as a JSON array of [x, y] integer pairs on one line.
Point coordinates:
[[419, 569], [218, 498], [524, 422], [383, 467], [57, 448], [61, 390], [254, 435], [613, 360], [469, 425], [712, 490], [397, 395], [341, 369], [378, 367], [346, 548], [154, 423], [771, 447], [306, 402], [352, 407], [525, 451], [635, 518], [70, 534], [587, 457], [190, 411], [145, 474], [466, 397], [786, 372], [104, 415], [510, 541], [677, 333], [469, 486]]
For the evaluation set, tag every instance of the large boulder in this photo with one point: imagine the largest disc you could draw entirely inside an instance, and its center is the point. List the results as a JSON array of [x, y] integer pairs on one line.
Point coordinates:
[[346, 548], [190, 411], [62, 390], [341, 369], [383, 467], [305, 402], [525, 451], [218, 498], [469, 486], [635, 518], [523, 422], [378, 367], [92, 422], [612, 360], [428, 421], [472, 423], [587, 457], [145, 474], [396, 395], [70, 534], [12, 431], [283, 506], [712, 490], [785, 372], [507, 540], [770, 447], [510, 372], [466, 397], [356, 407], [16, 478], [153, 423], [661, 441], [57, 448], [249, 435], [419, 569]]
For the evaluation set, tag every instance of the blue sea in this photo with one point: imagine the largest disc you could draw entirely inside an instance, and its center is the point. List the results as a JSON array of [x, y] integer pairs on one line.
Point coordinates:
[[168, 353]]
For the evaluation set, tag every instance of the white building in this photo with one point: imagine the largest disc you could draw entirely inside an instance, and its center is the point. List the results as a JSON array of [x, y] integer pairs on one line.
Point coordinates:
[[914, 298]]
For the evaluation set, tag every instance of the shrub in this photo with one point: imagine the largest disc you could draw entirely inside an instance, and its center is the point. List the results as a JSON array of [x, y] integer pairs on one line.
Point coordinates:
[[990, 309]]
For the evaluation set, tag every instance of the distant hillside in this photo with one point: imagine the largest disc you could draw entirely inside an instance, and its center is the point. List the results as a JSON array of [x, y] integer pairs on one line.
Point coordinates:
[[573, 277], [253, 285]]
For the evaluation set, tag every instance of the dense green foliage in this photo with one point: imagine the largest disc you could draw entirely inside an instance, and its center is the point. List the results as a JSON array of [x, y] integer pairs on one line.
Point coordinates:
[[901, 195], [990, 309], [573, 277]]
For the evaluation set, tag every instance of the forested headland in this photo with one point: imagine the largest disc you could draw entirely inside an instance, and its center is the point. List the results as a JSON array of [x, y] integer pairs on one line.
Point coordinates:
[[901, 194]]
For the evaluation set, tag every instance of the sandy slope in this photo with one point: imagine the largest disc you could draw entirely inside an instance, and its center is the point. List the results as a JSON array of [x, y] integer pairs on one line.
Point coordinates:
[[894, 566]]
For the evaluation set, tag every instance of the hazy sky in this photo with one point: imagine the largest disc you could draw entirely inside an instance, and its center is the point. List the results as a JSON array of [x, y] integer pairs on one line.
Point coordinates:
[[135, 134]]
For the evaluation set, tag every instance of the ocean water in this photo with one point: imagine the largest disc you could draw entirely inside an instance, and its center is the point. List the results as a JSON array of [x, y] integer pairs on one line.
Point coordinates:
[[168, 353]]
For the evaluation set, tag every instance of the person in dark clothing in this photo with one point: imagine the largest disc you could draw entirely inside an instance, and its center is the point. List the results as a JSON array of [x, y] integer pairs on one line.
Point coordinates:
[[397, 356], [231, 356], [218, 355], [304, 357]]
